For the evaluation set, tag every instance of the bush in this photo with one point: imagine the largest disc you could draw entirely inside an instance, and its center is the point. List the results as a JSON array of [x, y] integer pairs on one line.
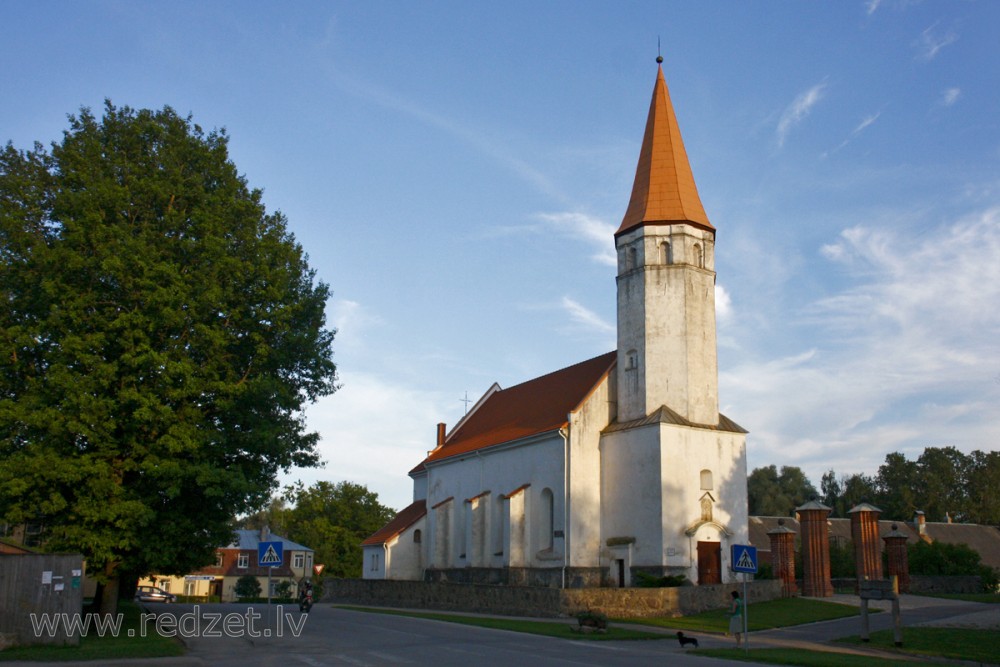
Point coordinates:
[[247, 586], [938, 558], [592, 619]]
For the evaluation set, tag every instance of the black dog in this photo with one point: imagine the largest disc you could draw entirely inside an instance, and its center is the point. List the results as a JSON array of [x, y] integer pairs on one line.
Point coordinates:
[[686, 640]]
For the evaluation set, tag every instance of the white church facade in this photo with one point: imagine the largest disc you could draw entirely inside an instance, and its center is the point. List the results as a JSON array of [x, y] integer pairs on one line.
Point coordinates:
[[617, 465]]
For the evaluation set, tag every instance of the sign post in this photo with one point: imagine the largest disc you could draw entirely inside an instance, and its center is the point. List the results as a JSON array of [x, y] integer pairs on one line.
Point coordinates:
[[269, 555], [744, 559]]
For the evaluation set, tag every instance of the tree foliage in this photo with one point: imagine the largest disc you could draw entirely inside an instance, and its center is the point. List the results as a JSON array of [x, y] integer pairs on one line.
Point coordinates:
[[942, 482], [332, 519], [771, 493], [160, 333]]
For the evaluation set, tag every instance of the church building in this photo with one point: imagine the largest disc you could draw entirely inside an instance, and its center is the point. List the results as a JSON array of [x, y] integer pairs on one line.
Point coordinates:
[[612, 468]]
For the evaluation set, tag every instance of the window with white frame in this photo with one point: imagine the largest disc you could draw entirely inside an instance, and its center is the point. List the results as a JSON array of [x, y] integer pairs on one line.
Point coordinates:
[[299, 559], [243, 561]]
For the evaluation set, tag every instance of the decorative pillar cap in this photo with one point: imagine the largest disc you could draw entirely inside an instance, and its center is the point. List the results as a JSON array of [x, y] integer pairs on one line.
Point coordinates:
[[864, 507], [813, 505]]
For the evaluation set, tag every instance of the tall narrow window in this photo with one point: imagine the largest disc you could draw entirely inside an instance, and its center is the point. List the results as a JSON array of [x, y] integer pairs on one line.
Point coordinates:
[[706, 480], [416, 536], [632, 259], [699, 256], [666, 253], [547, 517]]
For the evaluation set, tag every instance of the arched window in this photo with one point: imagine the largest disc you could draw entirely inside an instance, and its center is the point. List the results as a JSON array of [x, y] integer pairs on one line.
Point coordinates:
[[666, 253], [547, 517], [632, 360], [699, 257], [706, 480], [417, 536], [632, 259]]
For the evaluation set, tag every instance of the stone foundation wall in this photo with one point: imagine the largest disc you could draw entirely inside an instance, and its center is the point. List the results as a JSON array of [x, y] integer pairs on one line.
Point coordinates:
[[576, 577], [540, 601]]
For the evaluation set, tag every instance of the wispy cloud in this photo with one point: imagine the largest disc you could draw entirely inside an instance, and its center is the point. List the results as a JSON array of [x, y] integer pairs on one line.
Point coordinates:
[[589, 230], [896, 359], [482, 141], [585, 317], [872, 6], [799, 110], [932, 40], [861, 127], [950, 96]]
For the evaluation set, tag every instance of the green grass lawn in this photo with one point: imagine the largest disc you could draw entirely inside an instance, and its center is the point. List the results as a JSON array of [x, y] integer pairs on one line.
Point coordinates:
[[953, 643], [93, 647], [558, 629], [760, 616]]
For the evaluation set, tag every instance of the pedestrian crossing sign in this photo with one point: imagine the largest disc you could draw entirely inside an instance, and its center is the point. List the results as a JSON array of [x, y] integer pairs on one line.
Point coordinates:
[[270, 554], [744, 558]]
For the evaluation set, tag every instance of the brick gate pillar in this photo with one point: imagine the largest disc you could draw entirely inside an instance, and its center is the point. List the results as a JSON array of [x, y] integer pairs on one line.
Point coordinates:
[[899, 562], [867, 547], [815, 549], [783, 557]]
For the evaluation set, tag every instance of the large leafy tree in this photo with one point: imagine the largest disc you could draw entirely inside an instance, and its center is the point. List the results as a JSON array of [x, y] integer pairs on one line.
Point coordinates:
[[160, 333], [771, 493], [333, 520]]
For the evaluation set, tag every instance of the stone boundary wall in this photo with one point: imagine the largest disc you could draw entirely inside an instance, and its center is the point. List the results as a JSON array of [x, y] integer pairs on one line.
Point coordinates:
[[923, 584], [541, 601]]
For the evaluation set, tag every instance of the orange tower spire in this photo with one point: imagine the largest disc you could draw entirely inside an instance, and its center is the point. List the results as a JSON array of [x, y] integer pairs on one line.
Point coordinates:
[[664, 191]]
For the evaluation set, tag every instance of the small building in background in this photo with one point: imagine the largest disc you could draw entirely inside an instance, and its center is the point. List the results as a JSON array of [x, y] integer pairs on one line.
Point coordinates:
[[236, 560]]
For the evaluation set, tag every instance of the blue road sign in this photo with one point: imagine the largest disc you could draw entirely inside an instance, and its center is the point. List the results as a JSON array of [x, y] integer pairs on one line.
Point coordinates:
[[270, 554], [744, 558]]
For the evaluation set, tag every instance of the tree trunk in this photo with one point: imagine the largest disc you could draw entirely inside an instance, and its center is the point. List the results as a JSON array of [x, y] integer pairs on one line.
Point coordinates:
[[109, 591]]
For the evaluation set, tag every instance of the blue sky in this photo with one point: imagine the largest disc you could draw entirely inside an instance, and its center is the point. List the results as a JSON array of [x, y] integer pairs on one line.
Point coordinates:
[[456, 170]]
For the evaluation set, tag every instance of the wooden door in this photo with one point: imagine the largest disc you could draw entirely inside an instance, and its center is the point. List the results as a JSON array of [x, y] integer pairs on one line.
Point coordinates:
[[709, 563]]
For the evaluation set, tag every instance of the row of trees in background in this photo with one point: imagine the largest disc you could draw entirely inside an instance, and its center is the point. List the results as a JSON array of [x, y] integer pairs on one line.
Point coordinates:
[[942, 482], [331, 519]]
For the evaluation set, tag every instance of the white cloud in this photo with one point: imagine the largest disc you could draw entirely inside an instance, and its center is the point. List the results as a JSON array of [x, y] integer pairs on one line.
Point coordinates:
[[871, 6], [352, 321], [950, 96], [374, 430], [723, 304], [931, 41], [582, 315], [798, 110], [894, 362], [587, 229]]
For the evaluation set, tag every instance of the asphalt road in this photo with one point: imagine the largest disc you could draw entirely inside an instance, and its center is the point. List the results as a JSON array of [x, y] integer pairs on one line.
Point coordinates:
[[331, 637]]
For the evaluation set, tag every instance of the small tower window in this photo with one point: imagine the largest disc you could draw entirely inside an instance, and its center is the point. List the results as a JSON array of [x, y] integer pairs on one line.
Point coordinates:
[[416, 536], [632, 360], [706, 480], [699, 256], [666, 253], [632, 259]]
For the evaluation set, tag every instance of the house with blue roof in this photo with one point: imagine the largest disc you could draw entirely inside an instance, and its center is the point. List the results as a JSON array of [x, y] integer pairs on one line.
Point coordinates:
[[236, 560]]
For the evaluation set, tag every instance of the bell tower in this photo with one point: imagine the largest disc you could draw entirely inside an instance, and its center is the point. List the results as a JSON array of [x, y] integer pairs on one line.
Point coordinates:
[[666, 282]]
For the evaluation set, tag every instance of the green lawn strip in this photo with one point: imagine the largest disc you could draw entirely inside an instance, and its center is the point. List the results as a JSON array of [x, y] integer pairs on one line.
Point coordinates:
[[94, 647], [954, 643], [760, 616], [802, 657], [558, 629]]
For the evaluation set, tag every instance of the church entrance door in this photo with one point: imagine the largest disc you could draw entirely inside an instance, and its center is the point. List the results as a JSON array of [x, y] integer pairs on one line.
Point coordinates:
[[709, 563]]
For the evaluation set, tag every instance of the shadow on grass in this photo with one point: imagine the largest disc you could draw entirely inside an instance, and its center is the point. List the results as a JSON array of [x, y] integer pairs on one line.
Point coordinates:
[[980, 646], [561, 630], [801, 657], [760, 616]]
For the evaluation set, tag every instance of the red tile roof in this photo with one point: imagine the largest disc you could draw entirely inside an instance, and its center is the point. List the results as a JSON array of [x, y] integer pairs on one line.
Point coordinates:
[[664, 191], [403, 520], [531, 408]]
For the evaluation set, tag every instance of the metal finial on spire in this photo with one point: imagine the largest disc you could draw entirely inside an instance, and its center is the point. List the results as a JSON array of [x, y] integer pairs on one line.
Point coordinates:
[[659, 58]]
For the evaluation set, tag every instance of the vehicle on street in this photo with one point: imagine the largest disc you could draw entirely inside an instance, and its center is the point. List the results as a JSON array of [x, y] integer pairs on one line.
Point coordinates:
[[153, 594]]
